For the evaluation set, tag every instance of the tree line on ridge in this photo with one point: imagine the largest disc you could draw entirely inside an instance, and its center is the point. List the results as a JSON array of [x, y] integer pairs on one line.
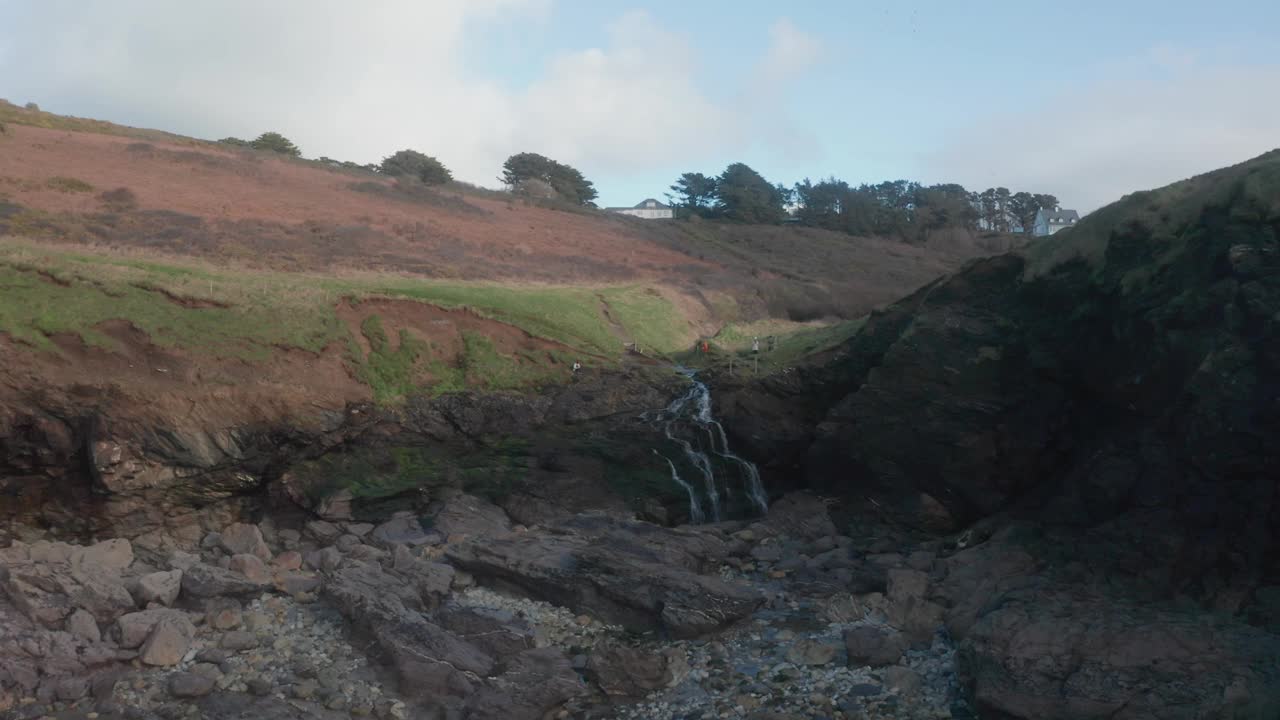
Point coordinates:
[[894, 208]]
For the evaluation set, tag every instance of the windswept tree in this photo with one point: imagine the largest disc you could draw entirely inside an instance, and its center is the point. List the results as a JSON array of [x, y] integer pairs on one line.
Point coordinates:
[[1023, 209], [822, 204], [993, 208], [945, 206], [743, 195], [694, 191], [1046, 201], [275, 142], [412, 163], [568, 183]]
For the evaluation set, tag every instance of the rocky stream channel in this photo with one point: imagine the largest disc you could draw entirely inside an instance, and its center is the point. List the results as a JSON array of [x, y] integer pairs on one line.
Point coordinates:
[[464, 614]]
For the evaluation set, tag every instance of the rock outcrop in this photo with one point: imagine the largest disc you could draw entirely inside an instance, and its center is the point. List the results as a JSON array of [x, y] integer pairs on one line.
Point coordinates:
[[1112, 391], [635, 574], [153, 468]]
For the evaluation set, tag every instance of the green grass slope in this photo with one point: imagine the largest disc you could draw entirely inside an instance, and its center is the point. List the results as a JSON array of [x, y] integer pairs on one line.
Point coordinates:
[[247, 315]]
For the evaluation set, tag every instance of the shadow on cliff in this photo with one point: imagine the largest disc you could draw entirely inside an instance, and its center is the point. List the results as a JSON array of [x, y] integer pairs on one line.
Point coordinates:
[[1103, 404]]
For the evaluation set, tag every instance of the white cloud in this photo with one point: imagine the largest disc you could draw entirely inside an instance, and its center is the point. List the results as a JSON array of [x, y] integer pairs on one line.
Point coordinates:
[[1160, 118], [791, 51], [634, 103], [360, 80]]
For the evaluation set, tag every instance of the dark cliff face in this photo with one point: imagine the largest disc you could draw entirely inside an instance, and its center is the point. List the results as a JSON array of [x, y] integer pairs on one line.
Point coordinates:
[[1120, 381], [1090, 431], [94, 468]]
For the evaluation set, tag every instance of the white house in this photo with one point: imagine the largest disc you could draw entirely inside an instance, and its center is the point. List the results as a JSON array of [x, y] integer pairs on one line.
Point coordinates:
[[1049, 221], [650, 209]]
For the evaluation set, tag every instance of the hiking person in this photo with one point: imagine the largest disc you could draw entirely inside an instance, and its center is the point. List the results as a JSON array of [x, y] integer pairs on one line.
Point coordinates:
[[576, 367]]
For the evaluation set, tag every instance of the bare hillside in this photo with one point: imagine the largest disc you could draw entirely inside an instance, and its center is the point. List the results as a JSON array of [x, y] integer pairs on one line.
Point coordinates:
[[71, 181]]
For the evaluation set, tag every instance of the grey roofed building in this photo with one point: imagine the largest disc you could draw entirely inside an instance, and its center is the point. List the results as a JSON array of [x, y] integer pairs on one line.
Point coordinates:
[[648, 209], [1049, 221]]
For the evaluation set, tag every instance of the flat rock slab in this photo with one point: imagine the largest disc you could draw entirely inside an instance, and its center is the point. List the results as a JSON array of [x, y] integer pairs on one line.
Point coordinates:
[[205, 581], [635, 575]]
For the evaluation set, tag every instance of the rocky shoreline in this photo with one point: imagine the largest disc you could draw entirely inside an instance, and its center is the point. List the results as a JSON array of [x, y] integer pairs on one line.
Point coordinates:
[[409, 618]]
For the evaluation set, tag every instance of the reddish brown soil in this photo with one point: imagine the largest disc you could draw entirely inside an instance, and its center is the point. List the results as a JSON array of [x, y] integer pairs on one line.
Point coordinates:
[[433, 232], [442, 329], [209, 200], [173, 388], [168, 387]]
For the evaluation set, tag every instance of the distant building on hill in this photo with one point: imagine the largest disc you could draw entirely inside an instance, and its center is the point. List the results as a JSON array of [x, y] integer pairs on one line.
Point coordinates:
[[1049, 221], [650, 209]]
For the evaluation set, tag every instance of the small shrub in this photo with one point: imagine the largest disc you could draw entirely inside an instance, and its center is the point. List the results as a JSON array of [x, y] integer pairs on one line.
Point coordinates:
[[275, 142], [32, 107], [68, 185], [412, 163], [119, 200]]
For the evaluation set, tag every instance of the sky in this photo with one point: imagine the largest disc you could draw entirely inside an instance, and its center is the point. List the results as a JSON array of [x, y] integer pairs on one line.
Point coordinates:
[[1084, 100]]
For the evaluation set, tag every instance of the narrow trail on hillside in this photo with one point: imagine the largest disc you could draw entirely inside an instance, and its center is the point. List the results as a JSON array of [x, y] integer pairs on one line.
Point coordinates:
[[618, 330]]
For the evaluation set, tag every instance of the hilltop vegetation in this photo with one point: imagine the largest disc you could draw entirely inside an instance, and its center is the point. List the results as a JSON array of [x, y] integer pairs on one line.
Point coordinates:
[[899, 209]]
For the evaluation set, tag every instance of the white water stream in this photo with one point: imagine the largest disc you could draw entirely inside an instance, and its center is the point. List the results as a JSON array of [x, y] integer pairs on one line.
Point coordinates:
[[693, 410]]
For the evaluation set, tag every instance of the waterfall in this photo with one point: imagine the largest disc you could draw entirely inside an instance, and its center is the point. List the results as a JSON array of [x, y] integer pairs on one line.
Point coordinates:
[[703, 463], [695, 508], [693, 408]]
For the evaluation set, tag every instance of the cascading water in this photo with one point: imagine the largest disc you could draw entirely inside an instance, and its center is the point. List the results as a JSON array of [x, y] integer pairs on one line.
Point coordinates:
[[693, 410], [695, 507]]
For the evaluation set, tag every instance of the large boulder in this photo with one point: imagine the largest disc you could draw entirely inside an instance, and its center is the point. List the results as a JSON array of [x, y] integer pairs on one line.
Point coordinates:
[[470, 516], [251, 567], [190, 685], [167, 644], [498, 632], [623, 671], [479, 661], [111, 555], [631, 573], [159, 587], [535, 682], [429, 660], [404, 530], [1037, 643], [802, 516], [82, 625], [205, 581], [47, 581], [1066, 656], [243, 538], [134, 628], [874, 645]]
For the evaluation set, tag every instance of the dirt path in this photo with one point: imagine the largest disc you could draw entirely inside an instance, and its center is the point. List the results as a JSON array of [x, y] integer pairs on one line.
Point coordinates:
[[618, 330]]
